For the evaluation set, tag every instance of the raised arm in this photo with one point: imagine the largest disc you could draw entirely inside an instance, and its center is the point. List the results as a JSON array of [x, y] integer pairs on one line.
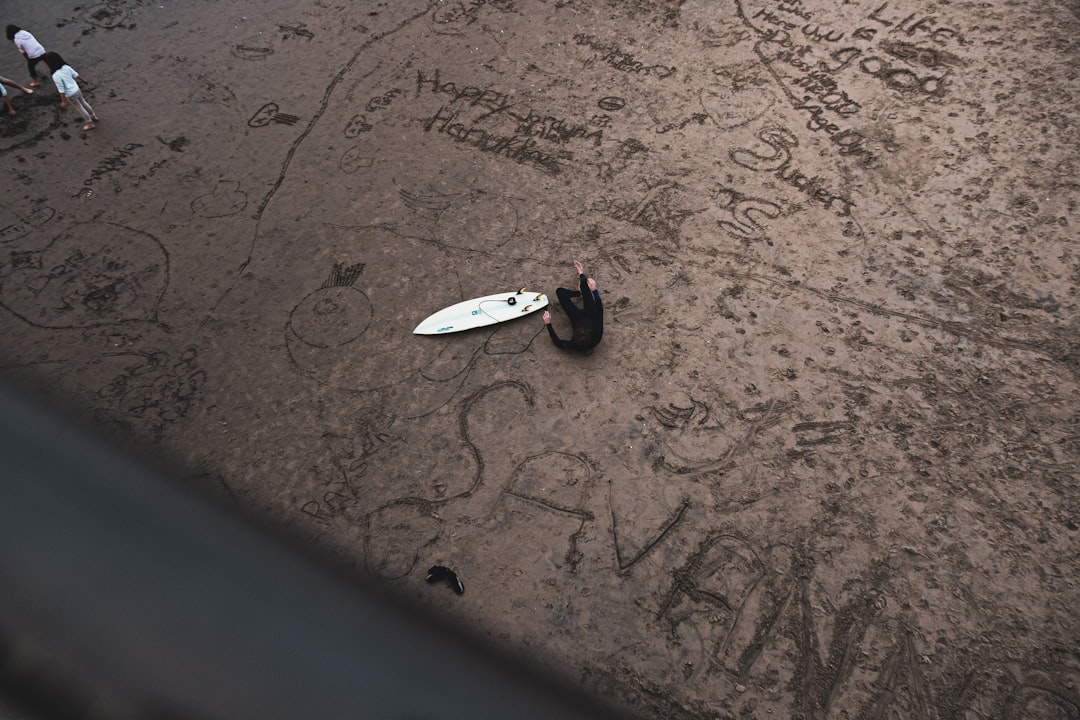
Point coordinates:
[[590, 297]]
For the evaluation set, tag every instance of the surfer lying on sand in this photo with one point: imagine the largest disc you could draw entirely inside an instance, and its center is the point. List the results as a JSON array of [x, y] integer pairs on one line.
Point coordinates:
[[588, 322]]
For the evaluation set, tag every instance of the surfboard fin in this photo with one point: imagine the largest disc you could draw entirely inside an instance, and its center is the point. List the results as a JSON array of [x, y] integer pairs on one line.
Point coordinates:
[[521, 290], [526, 308]]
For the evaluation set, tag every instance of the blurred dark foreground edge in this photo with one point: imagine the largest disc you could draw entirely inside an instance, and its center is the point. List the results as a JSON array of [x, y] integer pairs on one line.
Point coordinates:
[[125, 594]]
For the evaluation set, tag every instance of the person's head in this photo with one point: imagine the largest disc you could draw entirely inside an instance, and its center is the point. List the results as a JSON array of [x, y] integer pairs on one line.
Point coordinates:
[[54, 61], [11, 30]]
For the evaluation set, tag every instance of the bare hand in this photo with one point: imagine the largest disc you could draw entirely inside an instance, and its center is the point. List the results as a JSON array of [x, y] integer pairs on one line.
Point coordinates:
[[592, 284], [579, 268], [63, 106], [547, 317]]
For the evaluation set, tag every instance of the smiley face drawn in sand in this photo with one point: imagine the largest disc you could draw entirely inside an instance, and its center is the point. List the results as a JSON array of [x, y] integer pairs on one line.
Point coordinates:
[[225, 199], [335, 315]]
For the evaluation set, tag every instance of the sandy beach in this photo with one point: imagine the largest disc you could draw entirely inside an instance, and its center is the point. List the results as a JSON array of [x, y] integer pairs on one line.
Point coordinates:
[[825, 462]]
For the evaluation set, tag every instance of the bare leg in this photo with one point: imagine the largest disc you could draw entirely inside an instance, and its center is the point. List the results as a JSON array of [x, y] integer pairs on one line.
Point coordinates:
[[31, 65], [12, 84]]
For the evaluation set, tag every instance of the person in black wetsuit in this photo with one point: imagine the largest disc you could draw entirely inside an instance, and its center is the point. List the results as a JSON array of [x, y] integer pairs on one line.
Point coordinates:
[[588, 321]]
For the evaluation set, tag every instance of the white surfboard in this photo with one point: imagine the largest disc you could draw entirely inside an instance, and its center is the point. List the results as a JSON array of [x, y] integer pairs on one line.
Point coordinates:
[[482, 311]]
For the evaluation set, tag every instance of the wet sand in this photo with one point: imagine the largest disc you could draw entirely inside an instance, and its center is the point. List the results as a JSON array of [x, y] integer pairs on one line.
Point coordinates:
[[824, 463]]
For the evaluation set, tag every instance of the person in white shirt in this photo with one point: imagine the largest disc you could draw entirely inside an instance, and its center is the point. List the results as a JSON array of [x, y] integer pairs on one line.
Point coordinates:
[[32, 50], [64, 76]]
